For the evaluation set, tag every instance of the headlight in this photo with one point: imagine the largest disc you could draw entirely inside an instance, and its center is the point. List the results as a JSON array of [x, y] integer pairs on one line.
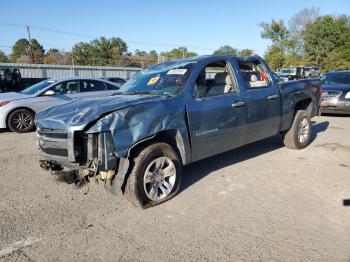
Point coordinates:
[[4, 103], [347, 95]]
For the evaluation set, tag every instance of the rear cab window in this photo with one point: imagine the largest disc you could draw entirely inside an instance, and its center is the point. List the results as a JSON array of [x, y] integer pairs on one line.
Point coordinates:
[[254, 74]]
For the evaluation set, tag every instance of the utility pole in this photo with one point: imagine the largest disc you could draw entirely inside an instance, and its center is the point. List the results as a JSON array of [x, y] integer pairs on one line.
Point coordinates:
[[30, 44], [73, 70]]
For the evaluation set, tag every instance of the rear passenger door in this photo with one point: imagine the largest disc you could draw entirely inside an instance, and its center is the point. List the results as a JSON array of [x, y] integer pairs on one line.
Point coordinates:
[[263, 100], [217, 111]]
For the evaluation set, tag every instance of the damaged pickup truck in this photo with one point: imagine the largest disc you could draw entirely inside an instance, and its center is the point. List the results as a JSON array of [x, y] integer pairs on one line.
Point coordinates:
[[170, 115]]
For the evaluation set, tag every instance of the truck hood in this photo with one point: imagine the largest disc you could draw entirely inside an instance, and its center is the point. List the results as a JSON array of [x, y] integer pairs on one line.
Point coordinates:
[[79, 113], [14, 96]]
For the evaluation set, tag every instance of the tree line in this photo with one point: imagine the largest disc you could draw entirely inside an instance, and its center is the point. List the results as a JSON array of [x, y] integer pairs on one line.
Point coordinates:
[[306, 39], [309, 39], [102, 52], [98, 52]]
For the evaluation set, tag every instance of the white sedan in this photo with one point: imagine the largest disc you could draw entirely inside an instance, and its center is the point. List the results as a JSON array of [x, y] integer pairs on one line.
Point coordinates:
[[17, 110]]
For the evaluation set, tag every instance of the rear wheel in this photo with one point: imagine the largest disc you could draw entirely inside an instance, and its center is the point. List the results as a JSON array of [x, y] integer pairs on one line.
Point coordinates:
[[155, 176], [298, 136], [21, 121]]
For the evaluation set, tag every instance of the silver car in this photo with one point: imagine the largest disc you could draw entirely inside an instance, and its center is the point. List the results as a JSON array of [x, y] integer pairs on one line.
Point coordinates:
[[17, 110]]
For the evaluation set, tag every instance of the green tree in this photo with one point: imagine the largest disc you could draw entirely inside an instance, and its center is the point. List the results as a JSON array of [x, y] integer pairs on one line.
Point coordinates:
[[336, 60], [226, 50], [327, 36], [276, 31], [274, 57], [245, 52], [178, 53], [84, 54], [19, 48], [21, 51], [3, 57], [102, 51], [293, 59]]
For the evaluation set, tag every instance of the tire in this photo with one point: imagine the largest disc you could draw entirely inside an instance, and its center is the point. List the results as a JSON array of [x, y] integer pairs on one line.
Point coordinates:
[[21, 121], [145, 189], [298, 136]]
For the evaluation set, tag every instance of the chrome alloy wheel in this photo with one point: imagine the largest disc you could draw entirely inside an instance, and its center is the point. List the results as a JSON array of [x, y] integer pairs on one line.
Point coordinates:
[[159, 178], [303, 132], [21, 121]]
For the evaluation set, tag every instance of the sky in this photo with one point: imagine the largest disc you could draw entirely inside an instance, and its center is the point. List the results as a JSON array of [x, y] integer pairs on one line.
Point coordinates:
[[202, 26]]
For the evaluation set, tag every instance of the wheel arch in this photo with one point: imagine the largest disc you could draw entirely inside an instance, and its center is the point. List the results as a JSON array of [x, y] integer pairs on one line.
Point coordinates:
[[303, 104], [171, 137]]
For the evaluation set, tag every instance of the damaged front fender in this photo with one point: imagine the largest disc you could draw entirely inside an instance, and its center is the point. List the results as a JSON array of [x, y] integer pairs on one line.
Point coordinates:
[[123, 129], [129, 126]]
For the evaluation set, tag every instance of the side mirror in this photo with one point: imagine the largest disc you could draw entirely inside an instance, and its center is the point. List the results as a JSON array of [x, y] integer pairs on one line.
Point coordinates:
[[49, 93]]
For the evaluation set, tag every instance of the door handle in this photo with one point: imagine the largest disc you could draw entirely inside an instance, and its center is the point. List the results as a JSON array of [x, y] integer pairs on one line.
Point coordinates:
[[238, 104], [272, 97]]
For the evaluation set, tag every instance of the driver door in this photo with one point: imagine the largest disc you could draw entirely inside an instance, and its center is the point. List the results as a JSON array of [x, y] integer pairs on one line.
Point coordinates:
[[217, 113]]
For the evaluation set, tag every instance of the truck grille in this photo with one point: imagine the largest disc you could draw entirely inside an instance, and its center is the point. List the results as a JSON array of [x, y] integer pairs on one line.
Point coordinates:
[[55, 151], [53, 142], [52, 133]]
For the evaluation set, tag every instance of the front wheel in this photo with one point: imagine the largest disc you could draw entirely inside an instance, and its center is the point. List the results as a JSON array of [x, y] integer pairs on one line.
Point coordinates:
[[21, 121], [298, 136], [155, 175]]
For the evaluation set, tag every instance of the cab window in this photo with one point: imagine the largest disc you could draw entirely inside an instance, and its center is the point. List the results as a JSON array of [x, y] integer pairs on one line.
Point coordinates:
[[254, 74], [214, 80]]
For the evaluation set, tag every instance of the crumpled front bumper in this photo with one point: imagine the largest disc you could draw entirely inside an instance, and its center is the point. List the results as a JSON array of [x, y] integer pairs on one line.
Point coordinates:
[[77, 151]]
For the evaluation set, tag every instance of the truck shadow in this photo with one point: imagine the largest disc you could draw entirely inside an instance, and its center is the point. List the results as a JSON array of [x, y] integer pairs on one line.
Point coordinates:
[[198, 170], [318, 128]]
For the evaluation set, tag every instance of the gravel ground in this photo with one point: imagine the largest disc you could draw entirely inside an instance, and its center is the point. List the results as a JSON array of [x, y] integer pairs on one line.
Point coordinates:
[[260, 202]]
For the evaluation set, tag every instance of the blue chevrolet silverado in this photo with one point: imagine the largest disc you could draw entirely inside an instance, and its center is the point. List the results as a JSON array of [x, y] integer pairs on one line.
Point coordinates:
[[170, 115]]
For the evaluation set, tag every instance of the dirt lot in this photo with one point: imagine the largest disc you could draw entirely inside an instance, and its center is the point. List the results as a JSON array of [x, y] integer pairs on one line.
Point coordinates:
[[259, 202]]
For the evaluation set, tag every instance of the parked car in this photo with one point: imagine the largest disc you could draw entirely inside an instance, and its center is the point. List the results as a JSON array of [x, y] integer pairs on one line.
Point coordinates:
[[170, 115], [17, 110], [311, 71], [115, 80], [336, 92], [291, 73]]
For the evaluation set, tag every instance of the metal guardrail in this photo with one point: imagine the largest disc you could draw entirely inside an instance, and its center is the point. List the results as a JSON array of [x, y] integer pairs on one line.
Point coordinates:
[[49, 71]]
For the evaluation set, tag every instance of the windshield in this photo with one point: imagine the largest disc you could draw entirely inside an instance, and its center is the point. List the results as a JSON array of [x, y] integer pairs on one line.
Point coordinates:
[[336, 79], [289, 71], [37, 87], [163, 79]]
